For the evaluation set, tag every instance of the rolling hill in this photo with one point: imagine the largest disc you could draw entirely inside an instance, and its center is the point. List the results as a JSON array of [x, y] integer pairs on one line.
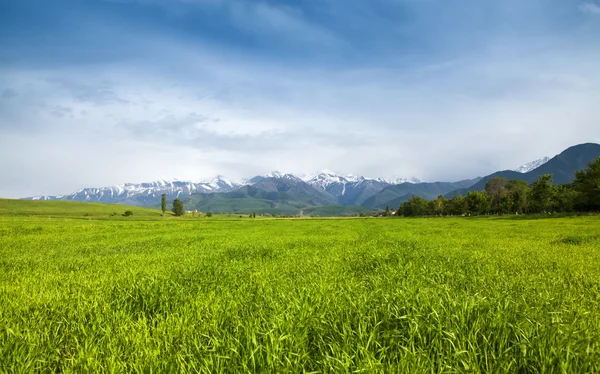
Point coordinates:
[[394, 195], [285, 194], [562, 167]]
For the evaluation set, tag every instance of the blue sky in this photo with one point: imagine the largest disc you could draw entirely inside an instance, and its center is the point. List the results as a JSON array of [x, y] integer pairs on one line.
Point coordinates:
[[101, 92]]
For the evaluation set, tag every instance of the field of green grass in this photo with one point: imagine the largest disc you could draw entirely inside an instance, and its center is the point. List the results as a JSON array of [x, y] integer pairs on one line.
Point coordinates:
[[84, 292]]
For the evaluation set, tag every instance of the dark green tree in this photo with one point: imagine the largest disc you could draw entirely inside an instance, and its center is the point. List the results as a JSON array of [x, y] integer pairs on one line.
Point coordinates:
[[518, 192], [542, 194], [564, 199], [457, 206], [587, 186], [495, 188], [416, 206], [477, 203], [163, 204], [178, 208], [438, 206]]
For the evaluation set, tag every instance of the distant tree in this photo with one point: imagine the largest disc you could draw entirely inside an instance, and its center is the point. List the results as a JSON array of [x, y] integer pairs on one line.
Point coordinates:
[[178, 208], [542, 194], [415, 206], [457, 206], [127, 213], [209, 214], [564, 199], [439, 206], [495, 188], [163, 204], [254, 215], [587, 186], [388, 212], [477, 202], [518, 192]]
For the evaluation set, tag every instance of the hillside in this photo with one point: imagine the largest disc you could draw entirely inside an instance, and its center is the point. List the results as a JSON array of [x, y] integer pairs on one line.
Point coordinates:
[[280, 195], [394, 195], [9, 207], [562, 167]]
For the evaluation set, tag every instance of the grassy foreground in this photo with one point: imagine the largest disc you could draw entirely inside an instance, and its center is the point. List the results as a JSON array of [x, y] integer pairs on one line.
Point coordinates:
[[372, 295]]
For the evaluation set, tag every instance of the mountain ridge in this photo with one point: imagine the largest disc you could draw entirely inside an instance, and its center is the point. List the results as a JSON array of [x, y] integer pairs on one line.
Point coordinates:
[[292, 193], [562, 167], [532, 165]]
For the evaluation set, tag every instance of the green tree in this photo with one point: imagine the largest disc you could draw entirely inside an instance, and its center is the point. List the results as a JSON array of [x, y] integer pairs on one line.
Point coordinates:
[[438, 205], [457, 206], [564, 199], [415, 206], [477, 202], [587, 185], [542, 194], [518, 191], [178, 208], [495, 188], [163, 204]]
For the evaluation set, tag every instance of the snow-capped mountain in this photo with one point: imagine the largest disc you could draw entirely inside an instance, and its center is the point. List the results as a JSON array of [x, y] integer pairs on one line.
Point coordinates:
[[348, 190], [142, 193], [532, 165], [351, 189], [274, 174], [400, 180], [326, 177]]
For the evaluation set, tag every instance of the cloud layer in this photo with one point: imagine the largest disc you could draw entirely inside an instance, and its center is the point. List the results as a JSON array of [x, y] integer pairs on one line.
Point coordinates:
[[105, 92]]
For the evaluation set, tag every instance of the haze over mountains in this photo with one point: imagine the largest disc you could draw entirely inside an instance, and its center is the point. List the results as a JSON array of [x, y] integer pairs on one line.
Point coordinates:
[[277, 192]]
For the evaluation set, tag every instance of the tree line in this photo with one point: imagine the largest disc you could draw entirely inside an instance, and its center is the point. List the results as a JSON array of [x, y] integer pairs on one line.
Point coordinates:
[[503, 196]]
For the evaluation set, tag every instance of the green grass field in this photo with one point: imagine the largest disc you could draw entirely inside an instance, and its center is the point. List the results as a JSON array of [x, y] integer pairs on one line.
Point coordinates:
[[81, 292]]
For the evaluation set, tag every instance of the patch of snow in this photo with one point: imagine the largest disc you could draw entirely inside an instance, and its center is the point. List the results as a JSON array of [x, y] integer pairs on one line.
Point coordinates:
[[532, 165]]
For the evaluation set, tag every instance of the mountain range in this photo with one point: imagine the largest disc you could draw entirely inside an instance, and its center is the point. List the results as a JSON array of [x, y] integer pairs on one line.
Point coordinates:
[[562, 167], [323, 193], [532, 165]]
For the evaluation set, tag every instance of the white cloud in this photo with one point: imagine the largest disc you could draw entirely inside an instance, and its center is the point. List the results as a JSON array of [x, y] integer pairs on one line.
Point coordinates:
[[194, 110], [97, 126], [589, 7]]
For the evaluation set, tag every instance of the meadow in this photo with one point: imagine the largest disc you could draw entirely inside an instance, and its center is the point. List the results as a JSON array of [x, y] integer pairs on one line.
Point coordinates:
[[84, 291]]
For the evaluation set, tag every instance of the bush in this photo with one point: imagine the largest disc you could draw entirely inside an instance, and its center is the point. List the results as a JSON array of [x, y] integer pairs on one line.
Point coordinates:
[[127, 213], [178, 208], [209, 214]]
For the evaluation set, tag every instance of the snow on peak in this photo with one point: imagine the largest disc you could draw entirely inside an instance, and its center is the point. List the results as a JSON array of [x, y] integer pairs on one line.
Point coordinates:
[[532, 165], [400, 180], [274, 174], [352, 178], [325, 178], [221, 181]]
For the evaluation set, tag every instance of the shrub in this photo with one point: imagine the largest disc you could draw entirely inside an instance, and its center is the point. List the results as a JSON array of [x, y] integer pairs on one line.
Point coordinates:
[[178, 208], [127, 213], [209, 214]]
